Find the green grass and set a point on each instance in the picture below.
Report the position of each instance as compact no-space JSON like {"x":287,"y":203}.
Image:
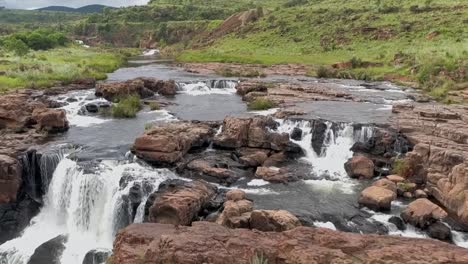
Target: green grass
{"x":261,"y":104}
{"x":42,"y":69}
{"x":433,"y":40}
{"x":126,"y":107}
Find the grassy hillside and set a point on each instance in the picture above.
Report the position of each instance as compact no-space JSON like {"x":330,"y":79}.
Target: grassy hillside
{"x":421,"y":41}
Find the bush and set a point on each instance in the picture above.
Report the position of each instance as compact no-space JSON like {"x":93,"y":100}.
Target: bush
{"x":400,"y":167}
{"x":324,"y":72}
{"x":126,"y":107}
{"x":261,"y":104}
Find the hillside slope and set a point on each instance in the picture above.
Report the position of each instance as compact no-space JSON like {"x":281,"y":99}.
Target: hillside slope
{"x":84,"y":9}
{"x":423,"y":42}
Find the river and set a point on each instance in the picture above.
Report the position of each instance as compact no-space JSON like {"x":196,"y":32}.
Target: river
{"x":88,"y":196}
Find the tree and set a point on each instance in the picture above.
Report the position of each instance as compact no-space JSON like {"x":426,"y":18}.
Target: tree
{"x":16,"y":46}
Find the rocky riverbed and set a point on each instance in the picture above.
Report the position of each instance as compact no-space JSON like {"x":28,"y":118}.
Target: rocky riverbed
{"x":353,"y":156}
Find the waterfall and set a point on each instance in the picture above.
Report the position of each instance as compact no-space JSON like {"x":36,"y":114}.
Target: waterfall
{"x":207,"y":87}
{"x":335,"y":149}
{"x":86,"y":205}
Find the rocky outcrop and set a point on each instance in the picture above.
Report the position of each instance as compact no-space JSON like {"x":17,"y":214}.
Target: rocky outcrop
{"x":178,"y":202}
{"x":360,"y":167}
{"x":377,"y":198}
{"x":440,"y":156}
{"x":386,"y":184}
{"x":236,"y":21}
{"x":143,"y":87}
{"x":253,"y":133}
{"x":273,"y":220}
{"x":168,"y":143}
{"x":276,"y":175}
{"x":211,"y":243}
{"x":238,"y":213}
{"x":53,"y":120}
{"x":422,"y":213}
{"x":10,"y":179}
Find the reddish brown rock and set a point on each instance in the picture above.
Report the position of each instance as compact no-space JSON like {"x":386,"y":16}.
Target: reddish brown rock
{"x":377,"y":198}
{"x":236,"y":214}
{"x":50,"y":119}
{"x":255,"y":159}
{"x":386,"y":184}
{"x":204,"y":168}
{"x":10,"y":179}
{"x":422,"y":213}
{"x":439,"y":160}
{"x":395,"y":178}
{"x":251,"y":132}
{"x":273,"y":174}
{"x":167,"y":143}
{"x":247,"y":87}
{"x":179,"y":203}
{"x":210,"y":243}
{"x":235,"y":195}
{"x":360,"y":167}
{"x":273,"y":220}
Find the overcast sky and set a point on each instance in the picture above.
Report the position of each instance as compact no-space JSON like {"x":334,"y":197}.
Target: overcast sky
{"x":31,"y":4}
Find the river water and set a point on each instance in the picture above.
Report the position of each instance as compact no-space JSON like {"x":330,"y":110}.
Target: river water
{"x":88,"y":197}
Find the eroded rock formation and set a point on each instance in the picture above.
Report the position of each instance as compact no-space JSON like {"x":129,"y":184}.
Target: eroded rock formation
{"x":205,"y":242}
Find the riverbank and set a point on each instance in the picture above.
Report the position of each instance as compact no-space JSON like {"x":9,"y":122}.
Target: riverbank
{"x":58,"y":67}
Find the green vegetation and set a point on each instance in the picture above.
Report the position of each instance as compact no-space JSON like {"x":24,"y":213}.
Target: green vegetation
{"x":400,"y":167}
{"x":21,"y":42}
{"x":415,"y":42}
{"x":154,"y":106}
{"x":261,"y":104}
{"x":259,"y":259}
{"x":126,"y":107}
{"x":42,"y":69}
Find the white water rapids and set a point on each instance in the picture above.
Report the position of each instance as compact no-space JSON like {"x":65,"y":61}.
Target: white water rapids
{"x":208,"y":87}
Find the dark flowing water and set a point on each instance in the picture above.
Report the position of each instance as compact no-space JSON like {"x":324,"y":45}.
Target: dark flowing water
{"x":86,"y":201}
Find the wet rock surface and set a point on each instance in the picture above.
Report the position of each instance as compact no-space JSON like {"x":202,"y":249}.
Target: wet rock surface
{"x":423,"y":213}
{"x":50,"y":251}
{"x":157,"y":243}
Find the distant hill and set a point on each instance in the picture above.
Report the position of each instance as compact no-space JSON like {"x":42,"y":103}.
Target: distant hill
{"x":85,"y":9}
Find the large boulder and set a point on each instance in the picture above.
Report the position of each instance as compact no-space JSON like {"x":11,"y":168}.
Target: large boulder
{"x":377,"y":198}
{"x":168,"y":143}
{"x":386,"y":184}
{"x":360,"y":167}
{"x":252,"y":132}
{"x":179,"y":203}
{"x":273,"y":220}
{"x":440,"y":231}
{"x":52,"y":120}
{"x":273,"y":174}
{"x":422,"y":213}
{"x":49,"y":252}
{"x":10,"y":179}
{"x":115,"y":90}
{"x":211,"y":243}
{"x":167,"y":88}
{"x":96,"y":256}
{"x":236,"y":214}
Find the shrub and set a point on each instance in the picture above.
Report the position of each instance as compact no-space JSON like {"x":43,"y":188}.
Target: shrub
{"x":324,"y":72}
{"x":126,"y":107}
{"x":400,"y":167}
{"x":259,"y":259}
{"x":154,"y":106}
{"x":261,"y":104}
{"x":356,"y":62}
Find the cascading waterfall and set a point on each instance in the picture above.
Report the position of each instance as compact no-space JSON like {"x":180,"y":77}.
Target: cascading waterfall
{"x":74,"y":108}
{"x":85,"y":206}
{"x":207,"y":87}
{"x":335,"y":150}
